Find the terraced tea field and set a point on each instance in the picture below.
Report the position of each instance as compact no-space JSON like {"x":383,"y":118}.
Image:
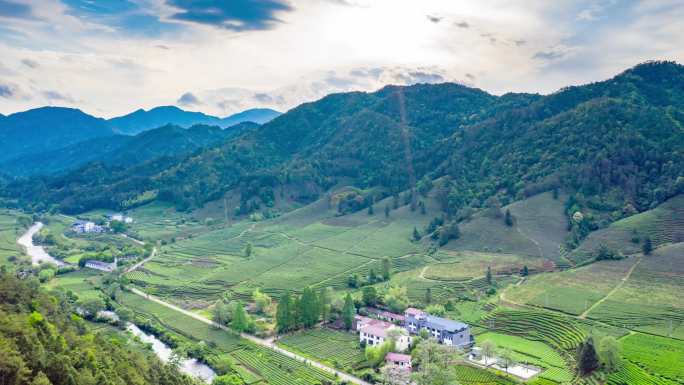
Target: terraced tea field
{"x":664,"y":356}
{"x":469,"y":375}
{"x":9,"y":232}
{"x":338,"y":349}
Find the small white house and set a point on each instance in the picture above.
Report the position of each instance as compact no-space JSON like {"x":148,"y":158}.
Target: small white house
{"x":121,"y":218}
{"x":399,"y":360}
{"x":81,"y":227}
{"x":377,"y":334}
{"x":102,"y":266}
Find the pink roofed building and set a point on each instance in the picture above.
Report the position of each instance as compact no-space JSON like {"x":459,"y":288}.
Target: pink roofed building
{"x":400,"y":360}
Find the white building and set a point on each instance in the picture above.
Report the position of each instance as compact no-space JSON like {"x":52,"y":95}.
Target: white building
{"x":402,"y":361}
{"x":377,"y":333}
{"x":102,"y":266}
{"x":121,"y":218}
{"x":81,"y":227}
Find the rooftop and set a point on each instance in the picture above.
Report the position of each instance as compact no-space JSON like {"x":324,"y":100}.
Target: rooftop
{"x":397,"y":357}
{"x":446,"y":324}
{"x":375,"y":330}
{"x":413,"y":311}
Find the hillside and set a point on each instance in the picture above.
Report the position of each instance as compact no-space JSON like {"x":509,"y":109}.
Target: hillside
{"x":43,"y":342}
{"x":610,"y":144}
{"x":47,"y":128}
{"x":143,"y":120}
{"x":123,"y":150}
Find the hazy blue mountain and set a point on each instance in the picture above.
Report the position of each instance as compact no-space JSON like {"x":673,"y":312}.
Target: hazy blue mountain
{"x":256,"y":115}
{"x":142,"y":120}
{"x":122,"y":150}
{"x":47,"y":128}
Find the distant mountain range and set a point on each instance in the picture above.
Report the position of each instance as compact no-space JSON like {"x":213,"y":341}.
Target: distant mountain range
{"x":142,"y":120}
{"x":52,"y":139}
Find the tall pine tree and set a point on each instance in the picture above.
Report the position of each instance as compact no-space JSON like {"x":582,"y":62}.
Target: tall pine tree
{"x":284,"y":319}
{"x":348,"y":312}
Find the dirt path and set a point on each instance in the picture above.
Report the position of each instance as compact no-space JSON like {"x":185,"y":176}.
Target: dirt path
{"x":268,"y":343}
{"x":137,"y":265}
{"x":616,"y":288}
{"x":541,"y":252}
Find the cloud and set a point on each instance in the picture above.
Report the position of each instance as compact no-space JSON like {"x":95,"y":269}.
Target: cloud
{"x":7,"y":91}
{"x":30,"y":63}
{"x":434,"y":19}
{"x":462,"y":24}
{"x":57,"y":96}
{"x":413,"y":77}
{"x":519,"y":42}
{"x":553,"y":53}
{"x":235,"y":15}
{"x":188,"y":99}
{"x":9,"y":8}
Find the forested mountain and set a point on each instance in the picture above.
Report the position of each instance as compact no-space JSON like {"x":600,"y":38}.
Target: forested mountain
{"x":142,"y":120}
{"x":47,"y":128}
{"x":615,"y":143}
{"x":123,"y":150}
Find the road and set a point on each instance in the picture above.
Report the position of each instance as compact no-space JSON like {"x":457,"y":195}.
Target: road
{"x":259,"y":341}
{"x":137,"y":265}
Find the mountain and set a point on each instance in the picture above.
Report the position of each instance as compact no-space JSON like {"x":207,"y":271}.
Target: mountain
{"x":142,"y":120}
{"x":256,"y":115}
{"x":123,"y":150}
{"x":48,"y":128}
{"x":612,"y":144}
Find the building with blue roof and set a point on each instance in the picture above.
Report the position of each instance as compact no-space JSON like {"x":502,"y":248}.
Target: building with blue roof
{"x":446,"y":331}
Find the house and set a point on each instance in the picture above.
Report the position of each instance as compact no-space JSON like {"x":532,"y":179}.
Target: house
{"x":361,"y":321}
{"x":446,"y":331}
{"x":387,"y":316}
{"x":102,"y":266}
{"x":81,"y":227}
{"x":377,"y":334}
{"x":121,"y":218}
{"x":399,"y":360}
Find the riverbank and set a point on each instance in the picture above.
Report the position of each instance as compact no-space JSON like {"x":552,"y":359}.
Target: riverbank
{"x":37,"y":253}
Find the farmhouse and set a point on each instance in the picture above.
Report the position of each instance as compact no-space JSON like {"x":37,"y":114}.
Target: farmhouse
{"x":102,"y":266}
{"x":81,"y":227}
{"x":377,"y":334}
{"x":386,"y":315}
{"x":120,"y":218}
{"x":446,"y":331}
{"x":361,"y":321}
{"x":402,"y":361}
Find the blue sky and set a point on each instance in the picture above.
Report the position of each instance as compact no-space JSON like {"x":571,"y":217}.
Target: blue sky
{"x":110,"y":57}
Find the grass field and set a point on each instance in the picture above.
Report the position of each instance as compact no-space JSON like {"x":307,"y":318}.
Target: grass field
{"x":664,"y":356}
{"x":9,"y":232}
{"x":539,"y":229}
{"x":84,"y":283}
{"x":338,"y":349}
{"x":663,"y":224}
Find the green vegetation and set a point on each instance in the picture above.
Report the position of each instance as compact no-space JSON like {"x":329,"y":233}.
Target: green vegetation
{"x":337,"y":349}
{"x":663,"y":356}
{"x":43,"y":342}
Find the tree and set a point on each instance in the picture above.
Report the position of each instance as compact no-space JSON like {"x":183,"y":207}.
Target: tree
{"x":396,"y":298}
{"x":284,"y":319}
{"x":508,"y":218}
{"x":394,"y":375}
{"x":353,"y":280}
{"x":118,"y":226}
{"x":370,"y":209}
{"x":221,"y":313}
{"x":488,"y":350}
{"x":125,"y":315}
{"x":324,"y":303}
{"x":587,"y":359}
{"x":609,"y":351}
{"x":416,"y":235}
{"x":525,"y":271}
{"x":387,"y":211}
{"x":248,"y":250}
{"x":92,"y":306}
{"x":434,"y":364}
{"x":370,"y":296}
{"x":372,"y":277}
{"x":506,"y":358}
{"x":309,"y":307}
{"x":348,"y":312}
{"x":489,"y":275}
{"x":226,"y":379}
{"x":375,"y":355}
{"x":386,"y":268}
{"x":423,"y":211}
{"x":647,"y":247}
{"x":41,"y":379}
{"x":263,"y":301}
{"x":428,"y":296}
{"x":240,"y":321}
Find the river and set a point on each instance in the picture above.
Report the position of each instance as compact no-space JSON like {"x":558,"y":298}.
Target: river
{"x":37,"y":253}
{"x":189,"y":366}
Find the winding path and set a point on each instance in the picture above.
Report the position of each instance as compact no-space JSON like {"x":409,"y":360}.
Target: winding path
{"x":616,"y":288}
{"x":268,"y":343}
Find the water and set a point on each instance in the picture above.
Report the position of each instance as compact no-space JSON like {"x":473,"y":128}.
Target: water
{"x":190,"y":366}
{"x":37,"y":253}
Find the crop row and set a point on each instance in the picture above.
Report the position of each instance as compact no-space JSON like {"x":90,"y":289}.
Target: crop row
{"x":278,"y":369}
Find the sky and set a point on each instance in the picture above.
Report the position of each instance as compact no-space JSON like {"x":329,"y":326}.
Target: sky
{"x":111,"y":57}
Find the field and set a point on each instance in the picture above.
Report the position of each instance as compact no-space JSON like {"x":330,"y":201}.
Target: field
{"x":84,"y":283}
{"x":468,"y":375}
{"x":572,"y":291}
{"x":539,"y":229}
{"x":335,"y":348}
{"x":9,"y":232}
{"x":663,"y":224}
{"x":664,"y":356}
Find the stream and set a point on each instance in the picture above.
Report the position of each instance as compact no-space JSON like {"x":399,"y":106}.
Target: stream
{"x":189,"y":366}
{"x":37,"y":253}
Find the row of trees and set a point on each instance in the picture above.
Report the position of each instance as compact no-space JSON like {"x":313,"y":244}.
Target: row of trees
{"x":355,"y":281}
{"x":308,"y":309}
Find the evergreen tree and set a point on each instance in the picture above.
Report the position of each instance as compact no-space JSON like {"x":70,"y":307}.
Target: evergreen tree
{"x":370,"y":209}
{"x":428,"y":296}
{"x":525,"y":271}
{"x":353,"y":281}
{"x":309,"y":308}
{"x":348,"y":312}
{"x":248,"y":250}
{"x":609,"y":350}
{"x":647,"y":246}
{"x":240,"y":320}
{"x":372,"y":277}
{"x":324,"y":304}
{"x":587,"y":359}
{"x":489,"y":275}
{"x":284,"y":320}
{"x":508,"y":218}
{"x":370,"y":296}
{"x":386,"y":268}
{"x":387,"y":211}
{"x":423,"y":211}
{"x":416,"y":234}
